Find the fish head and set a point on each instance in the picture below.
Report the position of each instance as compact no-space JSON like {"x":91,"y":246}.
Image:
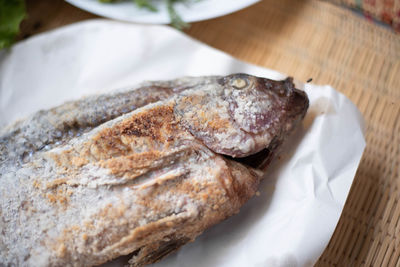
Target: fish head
{"x":258,"y":104}
{"x":243,"y":115}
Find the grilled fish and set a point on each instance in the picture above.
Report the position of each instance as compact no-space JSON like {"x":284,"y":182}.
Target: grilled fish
{"x":139,"y":172}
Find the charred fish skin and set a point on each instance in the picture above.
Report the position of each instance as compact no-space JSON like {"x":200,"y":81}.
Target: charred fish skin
{"x":148,"y":181}
{"x":49,"y":128}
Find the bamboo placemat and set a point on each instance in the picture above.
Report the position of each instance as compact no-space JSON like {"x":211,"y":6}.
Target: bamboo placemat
{"x":313,"y":39}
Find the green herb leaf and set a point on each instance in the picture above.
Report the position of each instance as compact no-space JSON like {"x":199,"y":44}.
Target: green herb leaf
{"x":12,"y":12}
{"x":145,"y":4}
{"x":176,"y":20}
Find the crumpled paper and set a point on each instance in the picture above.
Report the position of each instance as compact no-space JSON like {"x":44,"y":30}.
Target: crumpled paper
{"x":305,"y":188}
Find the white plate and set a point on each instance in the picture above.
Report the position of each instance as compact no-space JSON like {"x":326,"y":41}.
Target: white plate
{"x":189,"y":12}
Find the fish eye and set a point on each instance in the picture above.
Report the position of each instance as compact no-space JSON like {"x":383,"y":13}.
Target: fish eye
{"x":239,"y":83}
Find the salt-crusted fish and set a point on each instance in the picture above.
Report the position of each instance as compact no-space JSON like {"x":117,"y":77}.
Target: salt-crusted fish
{"x":138,"y":172}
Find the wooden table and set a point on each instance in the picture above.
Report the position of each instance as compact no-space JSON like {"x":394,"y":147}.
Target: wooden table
{"x":307,"y":38}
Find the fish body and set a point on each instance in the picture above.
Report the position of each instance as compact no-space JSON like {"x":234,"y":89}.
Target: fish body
{"x":138,"y":175}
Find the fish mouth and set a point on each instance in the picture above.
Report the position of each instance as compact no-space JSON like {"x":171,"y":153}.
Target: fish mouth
{"x":299,"y":103}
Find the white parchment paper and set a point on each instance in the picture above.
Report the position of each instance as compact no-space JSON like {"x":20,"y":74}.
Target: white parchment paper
{"x":303,"y":193}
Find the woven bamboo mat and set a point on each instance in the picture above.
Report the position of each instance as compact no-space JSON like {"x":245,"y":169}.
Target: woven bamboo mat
{"x":313,"y":39}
